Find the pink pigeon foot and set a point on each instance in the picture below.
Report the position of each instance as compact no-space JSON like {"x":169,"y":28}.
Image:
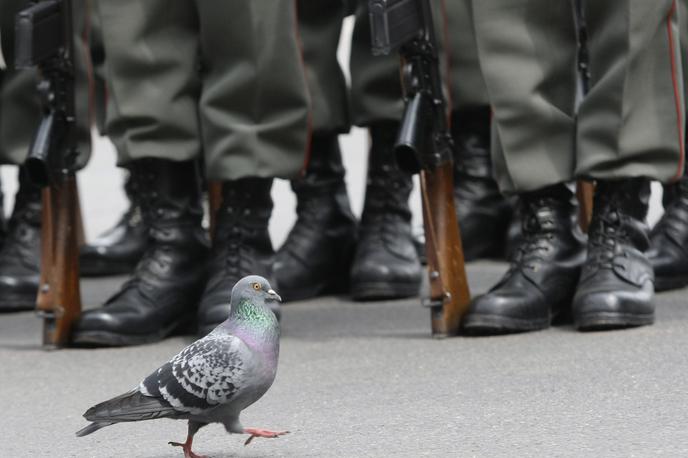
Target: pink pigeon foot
{"x":256,"y":432}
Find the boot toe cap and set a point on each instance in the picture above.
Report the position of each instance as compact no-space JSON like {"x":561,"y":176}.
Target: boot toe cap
{"x":19,"y":283}
{"x":373,"y":280}
{"x":99,"y":320}
{"x":614,"y":309}
{"x":375,"y":270}
{"x":18,"y":292}
{"x":506,"y":312}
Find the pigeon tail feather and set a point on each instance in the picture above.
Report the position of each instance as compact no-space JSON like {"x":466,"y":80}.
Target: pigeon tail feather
{"x":130,"y":406}
{"x":92,"y":428}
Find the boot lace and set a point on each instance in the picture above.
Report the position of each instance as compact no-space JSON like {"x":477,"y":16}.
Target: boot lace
{"x":384,"y":207}
{"x":537,"y":236}
{"x":233,"y":238}
{"x":606,"y":232}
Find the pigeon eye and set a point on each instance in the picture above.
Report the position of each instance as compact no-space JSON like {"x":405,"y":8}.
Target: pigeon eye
{"x":256,"y":286}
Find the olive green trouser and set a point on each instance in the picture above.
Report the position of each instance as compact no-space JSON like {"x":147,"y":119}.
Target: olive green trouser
{"x":320,"y":25}
{"x":222,"y":78}
{"x":375,"y":83}
{"x":20,"y":111}
{"x":629,"y":124}
{"x":97,"y":52}
{"x":375,"y":87}
{"x":19,"y":105}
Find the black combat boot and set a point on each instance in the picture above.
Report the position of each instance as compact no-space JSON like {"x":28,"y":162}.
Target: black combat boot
{"x":386,"y":264}
{"x":483,"y":212}
{"x":316,"y":257}
{"x":119,"y":249}
{"x":616,"y":287}
{"x":241,"y":246}
{"x":20,"y":256}
{"x":163,"y":292}
{"x":542,"y":278}
{"x":669,"y":239}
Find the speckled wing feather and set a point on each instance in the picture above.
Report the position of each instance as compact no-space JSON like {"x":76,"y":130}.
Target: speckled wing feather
{"x":204,"y":375}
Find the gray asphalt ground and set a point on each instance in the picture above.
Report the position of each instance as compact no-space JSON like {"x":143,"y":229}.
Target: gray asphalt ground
{"x":365,"y":379}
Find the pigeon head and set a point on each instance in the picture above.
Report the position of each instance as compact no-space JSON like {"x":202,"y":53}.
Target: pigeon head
{"x":251,"y":297}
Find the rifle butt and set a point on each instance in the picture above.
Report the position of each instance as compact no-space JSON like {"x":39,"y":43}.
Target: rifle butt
{"x":61,"y":300}
{"x":44,"y":299}
{"x":449,"y":292}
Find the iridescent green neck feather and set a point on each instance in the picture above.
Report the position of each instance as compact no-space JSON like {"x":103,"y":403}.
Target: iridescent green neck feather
{"x":255,"y":317}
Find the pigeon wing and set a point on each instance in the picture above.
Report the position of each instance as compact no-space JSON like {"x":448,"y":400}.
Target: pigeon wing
{"x":205,"y":374}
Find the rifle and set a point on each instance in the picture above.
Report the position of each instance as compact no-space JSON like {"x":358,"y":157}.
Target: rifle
{"x":425,"y":145}
{"x":585,"y":190}
{"x":44,"y":40}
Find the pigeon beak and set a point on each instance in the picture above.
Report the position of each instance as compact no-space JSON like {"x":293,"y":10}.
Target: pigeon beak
{"x":274,"y":295}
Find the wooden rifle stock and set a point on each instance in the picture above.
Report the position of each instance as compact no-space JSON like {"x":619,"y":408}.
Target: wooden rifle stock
{"x":449,"y":293}
{"x":585,"y":192}
{"x":59,"y":294}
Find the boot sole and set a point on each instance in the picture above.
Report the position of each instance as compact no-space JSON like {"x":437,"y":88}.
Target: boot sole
{"x":17,"y":302}
{"x":670,"y":283}
{"x":384,"y":291}
{"x":603,"y":321}
{"x":498,"y":324}
{"x":113,"y":339}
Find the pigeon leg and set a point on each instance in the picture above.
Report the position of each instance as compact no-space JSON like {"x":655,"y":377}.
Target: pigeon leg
{"x":256,"y":432}
{"x":186,"y":446}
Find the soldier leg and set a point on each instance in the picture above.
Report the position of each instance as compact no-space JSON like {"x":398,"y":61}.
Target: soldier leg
{"x":386,"y":263}
{"x":482,"y":210}
{"x":19,"y":117}
{"x":20,"y":252}
{"x":316,"y":256}
{"x":117,"y":250}
{"x":153,"y":122}
{"x":630,"y":131}
{"x":530,"y":75}
{"x":255,"y":119}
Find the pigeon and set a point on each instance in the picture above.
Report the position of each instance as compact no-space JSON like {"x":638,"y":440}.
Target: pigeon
{"x":213,"y":379}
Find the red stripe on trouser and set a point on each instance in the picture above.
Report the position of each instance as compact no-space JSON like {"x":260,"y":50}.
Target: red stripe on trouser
{"x":677,"y":95}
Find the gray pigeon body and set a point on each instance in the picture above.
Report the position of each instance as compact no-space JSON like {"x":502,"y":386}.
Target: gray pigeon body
{"x":213,"y":379}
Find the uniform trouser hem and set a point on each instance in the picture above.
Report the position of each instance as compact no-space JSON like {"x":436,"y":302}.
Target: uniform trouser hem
{"x":630,"y":124}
